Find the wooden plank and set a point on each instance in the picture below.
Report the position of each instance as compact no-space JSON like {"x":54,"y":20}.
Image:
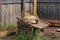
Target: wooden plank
{"x":54,"y":22}
{"x":40,"y":24}
{"x":11,"y":11}
{"x":4,"y":33}
{"x":35,"y":7}
{"x":46,"y":1}
{"x":49,"y":11}
{"x":44,"y":21}
{"x":16,"y":12}
{"x":7,"y":15}
{"x":11,"y":1}
{"x":3,"y":14}
{"x":0,"y":13}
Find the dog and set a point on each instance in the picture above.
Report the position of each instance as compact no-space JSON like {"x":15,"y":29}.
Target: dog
{"x":29,"y":17}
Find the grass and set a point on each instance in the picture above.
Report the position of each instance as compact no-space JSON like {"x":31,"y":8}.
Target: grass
{"x":23,"y":35}
{"x":38,"y":36}
{"x":6,"y":27}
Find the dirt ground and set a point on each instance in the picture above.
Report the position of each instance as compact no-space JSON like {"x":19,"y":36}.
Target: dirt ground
{"x":48,"y":32}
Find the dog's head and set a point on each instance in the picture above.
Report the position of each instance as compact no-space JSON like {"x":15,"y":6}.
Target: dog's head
{"x":25,"y":12}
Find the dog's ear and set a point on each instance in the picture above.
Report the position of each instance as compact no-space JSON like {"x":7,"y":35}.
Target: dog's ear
{"x":23,"y":11}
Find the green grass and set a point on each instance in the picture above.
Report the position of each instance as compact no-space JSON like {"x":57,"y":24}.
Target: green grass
{"x":23,"y":35}
{"x":9,"y":26}
{"x":38,"y":36}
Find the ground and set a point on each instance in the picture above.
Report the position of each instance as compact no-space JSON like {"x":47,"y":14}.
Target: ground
{"x":48,"y":32}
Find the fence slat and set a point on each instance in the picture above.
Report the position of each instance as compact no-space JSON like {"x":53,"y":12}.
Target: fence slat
{"x":10,"y":12}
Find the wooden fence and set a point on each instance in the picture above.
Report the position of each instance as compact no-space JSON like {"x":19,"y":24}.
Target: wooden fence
{"x":9,"y":13}
{"x":10,"y":9}
{"x":47,"y":9}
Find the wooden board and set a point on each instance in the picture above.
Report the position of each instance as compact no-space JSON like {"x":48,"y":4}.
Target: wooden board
{"x":54,"y":22}
{"x":40,"y":24}
{"x":9,"y":13}
{"x":0,"y":13}
{"x":4,"y":33}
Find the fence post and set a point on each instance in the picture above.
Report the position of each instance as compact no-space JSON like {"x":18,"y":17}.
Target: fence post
{"x":0,"y":13}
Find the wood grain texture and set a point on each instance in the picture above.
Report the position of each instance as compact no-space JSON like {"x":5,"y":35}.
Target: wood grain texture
{"x":40,"y":24}
{"x":0,"y":13}
{"x":35,"y":7}
{"x":49,"y":10}
{"x":11,"y":1}
{"x":10,"y":12}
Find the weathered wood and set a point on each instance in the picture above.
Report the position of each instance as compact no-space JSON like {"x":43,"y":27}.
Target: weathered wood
{"x":49,"y":9}
{"x":0,"y":12}
{"x":40,"y":24}
{"x":35,"y":7}
{"x":54,"y":22}
{"x":4,"y":33}
{"x":10,"y":12}
{"x":11,"y":1}
{"x":37,"y":29}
